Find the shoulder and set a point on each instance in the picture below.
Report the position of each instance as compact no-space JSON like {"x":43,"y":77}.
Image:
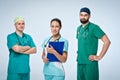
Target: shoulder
{"x":93,"y":25}
{"x":63,"y":39}
{"x":78,"y":27}
{"x":27,"y":35}
{"x":46,"y":39}
{"x":11,"y":35}
{"x":66,"y":43}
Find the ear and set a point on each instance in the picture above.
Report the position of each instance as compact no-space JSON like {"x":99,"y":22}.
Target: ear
{"x":89,"y":16}
{"x":60,"y":27}
{"x":14,"y":24}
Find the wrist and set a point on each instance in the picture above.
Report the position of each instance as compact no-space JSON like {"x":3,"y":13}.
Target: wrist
{"x":99,"y":57}
{"x":54,"y":52}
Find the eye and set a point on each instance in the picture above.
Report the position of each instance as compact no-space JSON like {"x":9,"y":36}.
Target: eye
{"x":52,"y":26}
{"x":18,"y":23}
{"x":23,"y":23}
{"x":85,"y":15}
{"x":81,"y":14}
{"x":57,"y":26}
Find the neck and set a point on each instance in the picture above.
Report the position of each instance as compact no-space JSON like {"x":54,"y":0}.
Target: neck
{"x":20,"y":33}
{"x":83,"y":25}
{"x":55,"y":37}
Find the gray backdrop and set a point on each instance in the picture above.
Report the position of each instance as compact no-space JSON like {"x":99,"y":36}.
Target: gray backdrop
{"x":38,"y":13}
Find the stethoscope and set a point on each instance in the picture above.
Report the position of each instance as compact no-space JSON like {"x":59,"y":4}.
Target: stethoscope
{"x":19,"y":42}
{"x":85,"y":33}
{"x":50,"y":39}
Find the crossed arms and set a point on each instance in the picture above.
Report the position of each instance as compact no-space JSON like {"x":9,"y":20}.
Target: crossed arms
{"x":24,"y":49}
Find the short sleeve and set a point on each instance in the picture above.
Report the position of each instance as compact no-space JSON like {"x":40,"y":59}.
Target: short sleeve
{"x":66,"y":46}
{"x":45,"y":42}
{"x":98,"y":32}
{"x":11,"y":41}
{"x":77,"y":32}
{"x":32,"y":44}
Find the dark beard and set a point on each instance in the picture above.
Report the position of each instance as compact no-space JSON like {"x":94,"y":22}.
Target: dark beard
{"x":84,"y":21}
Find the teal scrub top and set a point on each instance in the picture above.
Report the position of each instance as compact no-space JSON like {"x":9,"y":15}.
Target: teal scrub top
{"x":18,"y":62}
{"x":46,"y":41}
{"x":55,"y":68}
{"x":87,"y":37}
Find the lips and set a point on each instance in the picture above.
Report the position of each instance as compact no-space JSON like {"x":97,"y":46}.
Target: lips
{"x":83,"y":19}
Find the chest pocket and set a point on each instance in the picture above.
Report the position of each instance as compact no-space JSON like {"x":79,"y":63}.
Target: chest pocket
{"x":25,"y":41}
{"x":82,"y":33}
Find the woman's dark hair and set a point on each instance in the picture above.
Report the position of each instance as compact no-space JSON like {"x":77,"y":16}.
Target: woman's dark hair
{"x":58,"y":20}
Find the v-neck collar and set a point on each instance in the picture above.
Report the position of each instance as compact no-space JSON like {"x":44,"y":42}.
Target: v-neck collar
{"x":86,"y":26}
{"x":20,"y":36}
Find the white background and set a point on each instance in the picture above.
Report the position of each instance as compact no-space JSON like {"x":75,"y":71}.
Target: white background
{"x":38,"y":13}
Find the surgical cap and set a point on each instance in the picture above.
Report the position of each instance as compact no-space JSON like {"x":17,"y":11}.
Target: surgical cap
{"x":18,"y":19}
{"x":85,"y":9}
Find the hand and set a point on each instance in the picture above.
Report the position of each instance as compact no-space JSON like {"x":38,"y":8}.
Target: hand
{"x":50,"y":50}
{"x":45,"y":60}
{"x":94,"y":58}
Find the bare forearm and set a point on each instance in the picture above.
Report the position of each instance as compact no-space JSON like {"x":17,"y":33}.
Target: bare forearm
{"x":43,"y":54}
{"x":62,"y":57}
{"x":30,"y":51}
{"x":104,"y":49}
{"x":20,"y":49}
{"x":44,"y":58}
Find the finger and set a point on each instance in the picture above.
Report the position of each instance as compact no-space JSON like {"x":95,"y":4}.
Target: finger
{"x":91,"y":57}
{"x":52,"y":46}
{"x":46,"y":61}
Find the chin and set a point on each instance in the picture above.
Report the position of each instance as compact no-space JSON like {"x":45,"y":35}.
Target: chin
{"x":21,"y":30}
{"x":55,"y":34}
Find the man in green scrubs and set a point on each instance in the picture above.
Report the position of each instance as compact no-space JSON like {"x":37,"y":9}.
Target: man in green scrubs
{"x":20,"y":45}
{"x":88,"y":35}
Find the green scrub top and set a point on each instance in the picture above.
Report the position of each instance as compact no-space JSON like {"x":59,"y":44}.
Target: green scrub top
{"x":87,"y":37}
{"x":18,"y":62}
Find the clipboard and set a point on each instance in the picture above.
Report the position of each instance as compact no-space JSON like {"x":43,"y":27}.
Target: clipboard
{"x":58,"y":46}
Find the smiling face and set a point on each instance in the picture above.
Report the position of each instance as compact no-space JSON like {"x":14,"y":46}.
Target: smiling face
{"x":55,"y":27}
{"x":20,"y":25}
{"x":84,"y":17}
